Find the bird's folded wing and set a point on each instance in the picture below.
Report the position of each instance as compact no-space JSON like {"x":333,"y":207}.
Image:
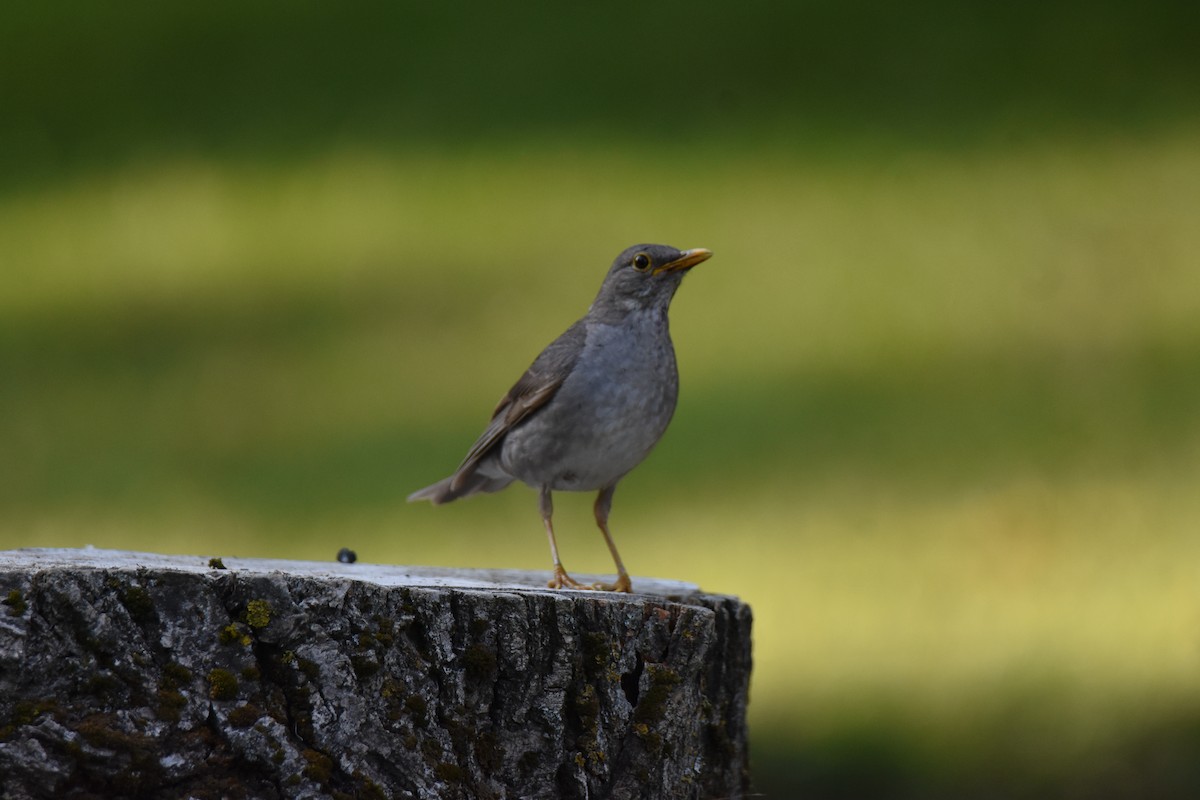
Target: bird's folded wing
{"x":532,"y":391}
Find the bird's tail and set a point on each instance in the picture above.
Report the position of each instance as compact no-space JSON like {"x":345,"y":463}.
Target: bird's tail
{"x":444,"y":492}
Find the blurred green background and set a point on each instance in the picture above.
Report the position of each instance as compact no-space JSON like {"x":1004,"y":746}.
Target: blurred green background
{"x":265,"y":268}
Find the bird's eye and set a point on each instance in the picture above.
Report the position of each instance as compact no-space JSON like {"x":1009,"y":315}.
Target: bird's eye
{"x":641,"y":262}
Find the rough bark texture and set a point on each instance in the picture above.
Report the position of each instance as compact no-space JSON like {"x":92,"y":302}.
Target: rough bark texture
{"x":137,"y":675}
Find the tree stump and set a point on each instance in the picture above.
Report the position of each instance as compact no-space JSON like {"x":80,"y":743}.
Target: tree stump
{"x":141,"y":675}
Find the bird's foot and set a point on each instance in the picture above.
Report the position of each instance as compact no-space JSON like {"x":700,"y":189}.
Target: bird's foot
{"x":562,"y":580}
{"x":622,"y":584}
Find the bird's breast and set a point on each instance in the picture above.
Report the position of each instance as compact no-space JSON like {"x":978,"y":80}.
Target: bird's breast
{"x":608,"y":414}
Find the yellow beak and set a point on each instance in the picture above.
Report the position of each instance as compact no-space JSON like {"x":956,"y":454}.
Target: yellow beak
{"x":690,"y":258}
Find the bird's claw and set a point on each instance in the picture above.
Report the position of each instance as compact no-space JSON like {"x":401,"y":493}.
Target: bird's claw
{"x":622,"y":584}
{"x":562,"y":580}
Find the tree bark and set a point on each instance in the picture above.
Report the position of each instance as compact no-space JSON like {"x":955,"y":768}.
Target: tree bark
{"x":140,"y":675}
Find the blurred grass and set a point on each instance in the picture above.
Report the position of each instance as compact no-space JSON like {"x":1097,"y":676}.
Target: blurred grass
{"x":264,"y":270}
{"x":940,"y":422}
{"x":87,"y":86}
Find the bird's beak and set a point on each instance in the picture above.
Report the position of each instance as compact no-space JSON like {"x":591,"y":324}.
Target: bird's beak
{"x":689,"y":259}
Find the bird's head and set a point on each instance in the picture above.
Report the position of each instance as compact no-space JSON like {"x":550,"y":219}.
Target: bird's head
{"x":646,"y":276}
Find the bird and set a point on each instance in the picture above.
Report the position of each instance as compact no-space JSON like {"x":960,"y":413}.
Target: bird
{"x":591,"y":406}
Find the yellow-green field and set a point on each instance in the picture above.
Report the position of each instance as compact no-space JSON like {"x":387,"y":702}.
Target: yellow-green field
{"x":939,"y":423}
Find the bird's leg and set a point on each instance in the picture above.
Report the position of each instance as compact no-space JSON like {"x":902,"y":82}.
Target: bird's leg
{"x":561,"y":579}
{"x":603,"y":504}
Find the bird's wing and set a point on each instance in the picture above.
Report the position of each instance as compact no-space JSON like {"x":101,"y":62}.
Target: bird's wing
{"x":532,"y":391}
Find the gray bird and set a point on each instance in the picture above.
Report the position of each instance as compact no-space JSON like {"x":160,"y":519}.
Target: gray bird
{"x":591,"y":406}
